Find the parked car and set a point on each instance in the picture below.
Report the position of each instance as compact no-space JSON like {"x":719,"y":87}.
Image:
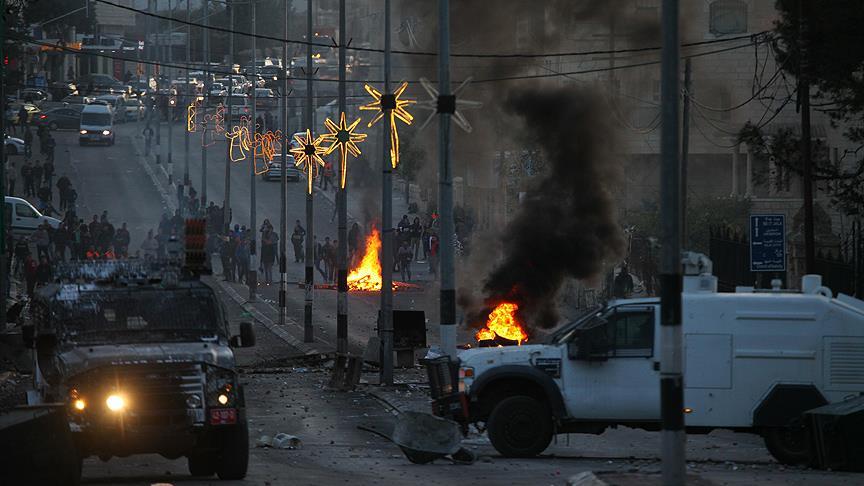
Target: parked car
{"x":13,"y":109}
{"x":102,"y":84}
{"x":265,"y":98}
{"x":59,"y":118}
{"x":218,"y":90}
{"x":134,"y":109}
{"x":34,"y":95}
{"x":23,"y":218}
{"x":78,"y":100}
{"x":274,"y":171}
{"x":117,"y":103}
{"x":13,"y":146}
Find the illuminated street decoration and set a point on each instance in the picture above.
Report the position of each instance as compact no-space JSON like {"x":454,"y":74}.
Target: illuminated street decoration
{"x":307,"y":154}
{"x":214,"y":120}
{"x":192,"y":116}
{"x":342,"y":136}
{"x":239,"y":143}
{"x":264,"y":147}
{"x":432,"y":104}
{"x":394,"y":107}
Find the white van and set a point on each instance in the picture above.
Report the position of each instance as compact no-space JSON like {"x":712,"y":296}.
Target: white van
{"x":23,"y":218}
{"x":97,"y":125}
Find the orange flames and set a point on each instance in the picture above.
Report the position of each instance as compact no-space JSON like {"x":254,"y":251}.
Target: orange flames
{"x":502,"y":322}
{"x":367,"y":275}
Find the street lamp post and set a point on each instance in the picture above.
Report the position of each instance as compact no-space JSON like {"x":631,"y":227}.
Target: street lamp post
{"x":188,"y":60}
{"x":206,"y":58}
{"x":171,"y":108}
{"x":342,"y":208}
{"x":310,"y":255}
{"x":385,"y":326}
{"x":253,"y":256}
{"x":445,"y":186}
{"x":226,"y":204}
{"x":283,"y":194}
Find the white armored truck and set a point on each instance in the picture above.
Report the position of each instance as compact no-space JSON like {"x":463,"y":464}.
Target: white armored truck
{"x":755,"y":360}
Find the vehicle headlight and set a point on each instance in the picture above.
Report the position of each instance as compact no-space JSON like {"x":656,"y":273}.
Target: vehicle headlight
{"x":106,"y":132}
{"x":466,"y":377}
{"x":115,"y":402}
{"x":83,"y":132}
{"x":221,"y":388}
{"x":193,"y":401}
{"x":79,"y":404}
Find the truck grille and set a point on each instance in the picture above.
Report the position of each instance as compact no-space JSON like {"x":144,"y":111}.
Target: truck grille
{"x":151,"y":388}
{"x":846,"y":361}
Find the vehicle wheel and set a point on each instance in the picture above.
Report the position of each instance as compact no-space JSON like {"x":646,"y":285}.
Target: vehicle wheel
{"x":234,"y":456}
{"x":201,"y":464}
{"x":789,"y":445}
{"x":520,"y":426}
{"x":52,"y":126}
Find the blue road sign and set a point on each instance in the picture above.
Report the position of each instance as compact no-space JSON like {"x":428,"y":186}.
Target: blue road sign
{"x":767,"y":243}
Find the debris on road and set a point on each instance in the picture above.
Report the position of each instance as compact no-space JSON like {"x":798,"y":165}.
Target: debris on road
{"x":279,"y":441}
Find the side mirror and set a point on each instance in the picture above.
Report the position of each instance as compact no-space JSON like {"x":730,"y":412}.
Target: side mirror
{"x":246,"y":338}
{"x":28,"y":335}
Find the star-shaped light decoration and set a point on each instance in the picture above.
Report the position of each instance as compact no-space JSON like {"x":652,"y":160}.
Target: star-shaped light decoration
{"x":432,"y":104}
{"x":342,"y":136}
{"x":393,"y":106}
{"x":307,"y":154}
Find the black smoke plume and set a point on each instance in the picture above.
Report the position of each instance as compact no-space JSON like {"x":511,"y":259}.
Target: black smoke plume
{"x":566,"y":226}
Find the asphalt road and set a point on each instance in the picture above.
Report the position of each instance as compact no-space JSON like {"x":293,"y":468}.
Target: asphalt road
{"x":292,"y":398}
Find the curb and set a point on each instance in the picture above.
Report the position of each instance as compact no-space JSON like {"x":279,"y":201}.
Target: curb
{"x":259,"y":316}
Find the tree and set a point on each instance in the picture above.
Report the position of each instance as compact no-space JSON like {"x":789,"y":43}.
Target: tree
{"x":828,"y":47}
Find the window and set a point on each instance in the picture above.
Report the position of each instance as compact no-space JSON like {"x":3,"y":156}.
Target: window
{"x":728,"y":17}
{"x":627,"y":332}
{"x":25,"y":211}
{"x":8,"y":212}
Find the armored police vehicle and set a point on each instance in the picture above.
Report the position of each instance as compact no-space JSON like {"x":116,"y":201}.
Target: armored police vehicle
{"x":754,"y":361}
{"x":143,"y":359}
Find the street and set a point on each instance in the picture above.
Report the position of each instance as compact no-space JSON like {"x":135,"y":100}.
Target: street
{"x":287,"y":392}
{"x":609,"y":243}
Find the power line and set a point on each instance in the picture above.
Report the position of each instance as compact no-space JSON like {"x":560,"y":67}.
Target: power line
{"x":426,"y":53}
{"x":479,"y":81}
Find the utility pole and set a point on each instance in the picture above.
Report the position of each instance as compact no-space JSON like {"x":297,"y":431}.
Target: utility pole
{"x":385,"y":326}
{"x":310,"y":226}
{"x":157,"y":37}
{"x":342,"y":208}
{"x":806,"y":155}
{"x":171,"y":108}
{"x":188,"y":87}
{"x":671,"y":377}
{"x":206,"y":58}
{"x":4,"y":274}
{"x":283,"y":194}
{"x":226,"y":204}
{"x":685,"y":151}
{"x":446,"y":108}
{"x":253,"y":223}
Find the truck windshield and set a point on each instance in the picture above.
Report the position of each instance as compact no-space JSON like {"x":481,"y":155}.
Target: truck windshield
{"x":139,"y":315}
{"x":95,"y":119}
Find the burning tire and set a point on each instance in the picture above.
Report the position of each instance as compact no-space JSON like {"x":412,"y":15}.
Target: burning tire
{"x":520,"y":426}
{"x":234,"y":455}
